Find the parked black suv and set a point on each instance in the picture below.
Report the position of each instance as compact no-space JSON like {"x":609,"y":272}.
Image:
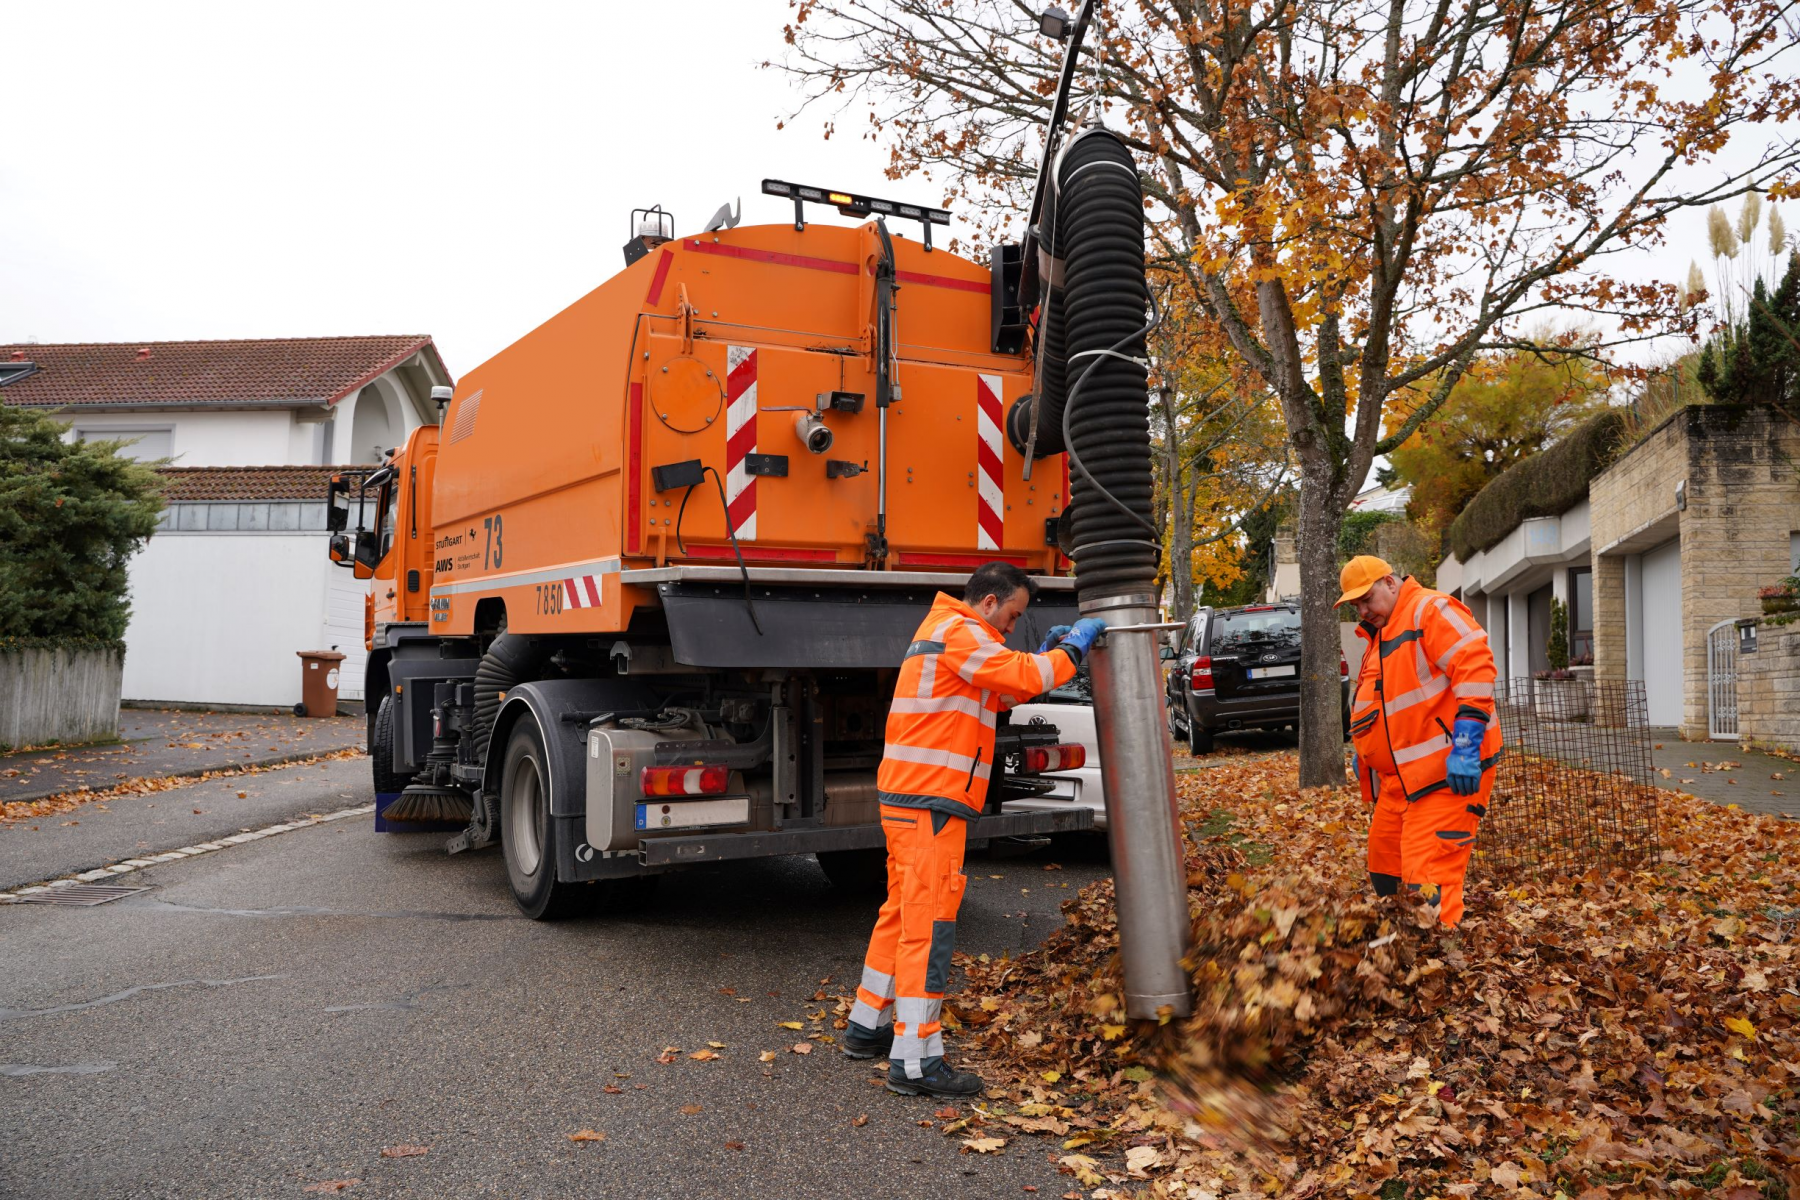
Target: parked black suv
{"x":1239,"y":668}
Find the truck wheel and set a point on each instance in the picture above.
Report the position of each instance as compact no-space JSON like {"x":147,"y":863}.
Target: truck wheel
{"x":856,"y":872}
{"x":381,"y":750}
{"x":1200,"y":741}
{"x":527,"y":832}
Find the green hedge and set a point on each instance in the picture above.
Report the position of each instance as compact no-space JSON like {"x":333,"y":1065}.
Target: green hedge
{"x":11,"y":645}
{"x":1544,"y":485}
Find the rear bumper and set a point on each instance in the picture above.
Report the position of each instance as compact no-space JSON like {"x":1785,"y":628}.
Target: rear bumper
{"x":717,"y":847}
{"x":1071,"y":790}
{"x":1215,"y":713}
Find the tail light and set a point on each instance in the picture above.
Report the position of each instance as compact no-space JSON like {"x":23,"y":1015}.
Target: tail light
{"x":685,"y":781}
{"x":1054,"y":758}
{"x":1201,"y":677}
{"x":1343,"y":666}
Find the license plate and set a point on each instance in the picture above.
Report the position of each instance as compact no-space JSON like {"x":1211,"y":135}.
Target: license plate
{"x":693,"y":814}
{"x":1270,"y":672}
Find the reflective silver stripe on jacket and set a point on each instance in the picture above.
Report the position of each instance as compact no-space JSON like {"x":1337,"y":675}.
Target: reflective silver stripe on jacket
{"x":1473,"y":691}
{"x":929,"y":757}
{"x":1472,"y":636}
{"x":941,"y":704}
{"x":1432,"y":688}
{"x":1432,"y":745}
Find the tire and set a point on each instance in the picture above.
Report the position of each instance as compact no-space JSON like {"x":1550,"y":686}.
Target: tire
{"x":381,"y":750}
{"x":528,"y":833}
{"x":1200,"y":741}
{"x":856,"y":872}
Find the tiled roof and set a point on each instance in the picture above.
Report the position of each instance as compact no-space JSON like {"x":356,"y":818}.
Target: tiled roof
{"x":250,"y":371}
{"x":248,"y":483}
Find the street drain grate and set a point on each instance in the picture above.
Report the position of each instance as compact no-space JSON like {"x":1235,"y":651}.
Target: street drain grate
{"x":84,"y":895}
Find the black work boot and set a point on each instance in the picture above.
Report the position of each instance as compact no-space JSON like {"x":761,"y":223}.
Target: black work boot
{"x":862,"y":1042}
{"x":939,"y":1079}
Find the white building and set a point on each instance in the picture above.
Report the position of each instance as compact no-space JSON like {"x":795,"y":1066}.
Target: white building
{"x":236,"y":579}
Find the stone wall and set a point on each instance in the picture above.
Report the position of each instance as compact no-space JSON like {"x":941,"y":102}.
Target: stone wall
{"x":1769,"y":690}
{"x":1742,"y":502}
{"x":64,"y":696}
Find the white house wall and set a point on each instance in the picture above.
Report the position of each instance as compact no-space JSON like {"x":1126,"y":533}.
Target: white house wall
{"x":207,"y":438}
{"x":216,"y":618}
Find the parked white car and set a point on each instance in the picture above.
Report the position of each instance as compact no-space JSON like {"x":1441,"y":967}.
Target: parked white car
{"x":1075,"y":720}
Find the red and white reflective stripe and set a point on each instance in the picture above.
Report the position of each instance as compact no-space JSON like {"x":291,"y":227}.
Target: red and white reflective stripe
{"x":990,"y":465}
{"x":583,"y":591}
{"x":740,"y":439}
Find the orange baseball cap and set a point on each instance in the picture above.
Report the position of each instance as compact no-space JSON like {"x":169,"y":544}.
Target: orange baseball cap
{"x":1360,"y":574}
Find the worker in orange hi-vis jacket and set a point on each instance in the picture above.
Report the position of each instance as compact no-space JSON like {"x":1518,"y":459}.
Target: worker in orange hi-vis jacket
{"x":934,"y":774}
{"x":1425,"y":736}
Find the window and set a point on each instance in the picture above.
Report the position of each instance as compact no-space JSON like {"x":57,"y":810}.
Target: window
{"x":388,"y":506}
{"x":1581,"y":615}
{"x":1260,"y":627}
{"x":145,"y":445}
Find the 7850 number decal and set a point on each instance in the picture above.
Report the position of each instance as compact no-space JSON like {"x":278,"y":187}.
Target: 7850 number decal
{"x":549,"y":598}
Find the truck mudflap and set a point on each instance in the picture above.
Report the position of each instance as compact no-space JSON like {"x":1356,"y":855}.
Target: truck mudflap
{"x":716,"y":847}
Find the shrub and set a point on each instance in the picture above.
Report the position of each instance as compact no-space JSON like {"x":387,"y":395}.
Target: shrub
{"x":1544,"y":485}
{"x":1556,"y":647}
{"x":71,"y":516}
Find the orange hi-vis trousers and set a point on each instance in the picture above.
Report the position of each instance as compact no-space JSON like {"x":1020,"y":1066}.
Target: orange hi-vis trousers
{"x":1425,"y":843}
{"x":908,"y":964}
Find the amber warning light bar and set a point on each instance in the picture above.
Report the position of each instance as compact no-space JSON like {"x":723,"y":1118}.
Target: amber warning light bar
{"x":852,"y":205}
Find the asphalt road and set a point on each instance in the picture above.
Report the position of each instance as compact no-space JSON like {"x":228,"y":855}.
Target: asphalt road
{"x":275,"y":1014}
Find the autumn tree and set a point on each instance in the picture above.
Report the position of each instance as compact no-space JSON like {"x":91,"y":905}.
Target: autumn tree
{"x":1507,"y":406}
{"x":1364,"y":195}
{"x":1219,"y":454}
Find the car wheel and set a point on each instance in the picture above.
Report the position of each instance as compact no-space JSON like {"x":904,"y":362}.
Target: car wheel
{"x":856,"y":872}
{"x":1200,"y":741}
{"x":527,"y":831}
{"x":381,"y":750}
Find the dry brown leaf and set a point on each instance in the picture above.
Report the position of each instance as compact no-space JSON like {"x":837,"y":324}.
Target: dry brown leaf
{"x":404,"y":1151}
{"x":801,"y":1047}
{"x":587,"y":1135}
{"x":688,"y":1110}
{"x":332,"y":1185}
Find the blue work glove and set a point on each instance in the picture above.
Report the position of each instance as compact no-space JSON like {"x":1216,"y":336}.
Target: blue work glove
{"x":1463,"y":770}
{"x":1082,"y":636}
{"x":1057,"y":633}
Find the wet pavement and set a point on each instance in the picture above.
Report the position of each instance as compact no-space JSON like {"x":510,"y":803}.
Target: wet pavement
{"x":1726,"y":773}
{"x":274,"y":1015}
{"x":154,"y":743}
{"x":101,"y":832}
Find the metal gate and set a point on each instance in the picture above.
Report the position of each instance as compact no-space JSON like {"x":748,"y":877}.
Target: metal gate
{"x":1721,"y":681}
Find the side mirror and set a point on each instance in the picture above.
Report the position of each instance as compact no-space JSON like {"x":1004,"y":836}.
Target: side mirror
{"x":1166,"y":653}
{"x":337,"y":511}
{"x":339,"y":549}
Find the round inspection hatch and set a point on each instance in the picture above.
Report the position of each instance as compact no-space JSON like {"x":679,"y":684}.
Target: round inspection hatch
{"x":686,"y":395}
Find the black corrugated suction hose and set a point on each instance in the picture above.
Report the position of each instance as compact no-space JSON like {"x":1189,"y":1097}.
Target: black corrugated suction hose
{"x":1106,"y":417}
{"x":507,"y":661}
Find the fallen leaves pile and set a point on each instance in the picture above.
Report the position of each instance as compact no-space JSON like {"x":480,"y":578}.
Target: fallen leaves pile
{"x":63,"y":802}
{"x":1615,"y":1035}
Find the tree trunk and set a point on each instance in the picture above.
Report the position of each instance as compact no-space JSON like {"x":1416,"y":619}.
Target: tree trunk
{"x":1321,"y":715}
{"x":1181,"y":524}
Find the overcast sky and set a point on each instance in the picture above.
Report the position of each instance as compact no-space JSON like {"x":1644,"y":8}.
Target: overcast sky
{"x":209,"y":170}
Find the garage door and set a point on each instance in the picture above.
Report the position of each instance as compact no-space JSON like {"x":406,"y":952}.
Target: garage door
{"x":344,"y":599}
{"x":1662,"y":633}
